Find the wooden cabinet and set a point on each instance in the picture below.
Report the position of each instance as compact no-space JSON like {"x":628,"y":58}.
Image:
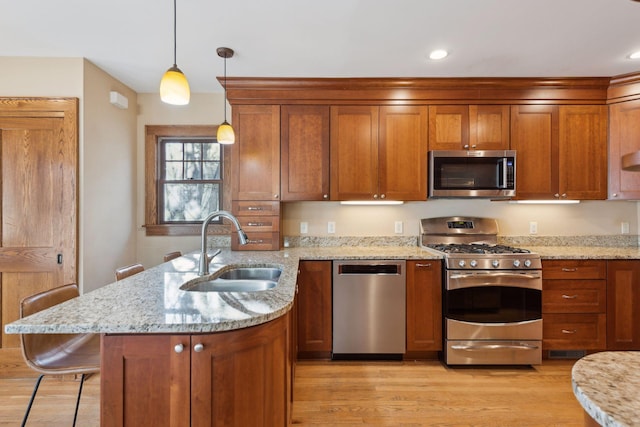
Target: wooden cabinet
{"x":305,"y":152}
{"x":235,"y":378}
{"x":574,"y":301}
{"x":561,"y":151}
{"x":260,"y":220}
{"x":468,"y":127}
{"x":624,"y":139}
{"x":378,"y":153}
{"x":424,"y":306}
{"x":623,"y":305}
{"x":314,"y":310}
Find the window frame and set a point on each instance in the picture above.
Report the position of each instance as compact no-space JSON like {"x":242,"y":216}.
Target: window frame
{"x":153,"y":135}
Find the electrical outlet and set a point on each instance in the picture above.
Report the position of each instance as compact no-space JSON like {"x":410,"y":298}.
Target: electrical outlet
{"x":331,"y":227}
{"x":304,"y":227}
{"x":624,"y":227}
{"x":397,"y":227}
{"x":533,"y":227}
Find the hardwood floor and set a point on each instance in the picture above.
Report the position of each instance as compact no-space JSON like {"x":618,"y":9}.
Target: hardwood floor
{"x":348,"y":394}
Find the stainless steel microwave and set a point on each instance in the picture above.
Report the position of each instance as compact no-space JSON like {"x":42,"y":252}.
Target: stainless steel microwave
{"x":471,"y":173}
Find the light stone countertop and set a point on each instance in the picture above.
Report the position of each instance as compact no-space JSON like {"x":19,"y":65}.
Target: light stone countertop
{"x":152,"y":302}
{"x":607,"y":385}
{"x":585,"y":252}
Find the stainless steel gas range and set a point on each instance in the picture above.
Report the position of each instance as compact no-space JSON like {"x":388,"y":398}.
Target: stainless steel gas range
{"x":492,"y":294}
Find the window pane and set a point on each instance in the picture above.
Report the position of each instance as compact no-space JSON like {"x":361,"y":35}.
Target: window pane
{"x":173,"y":171}
{"x":173,"y":150}
{"x":192,"y":150}
{"x":190,"y":202}
{"x":210,"y":170}
{"x":211,"y":151}
{"x":192,"y":170}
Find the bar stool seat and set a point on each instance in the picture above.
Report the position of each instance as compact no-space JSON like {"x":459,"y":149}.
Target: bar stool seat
{"x":128,"y":270}
{"x":172,"y":255}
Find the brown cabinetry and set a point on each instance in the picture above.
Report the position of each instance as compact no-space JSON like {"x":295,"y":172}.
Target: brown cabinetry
{"x":624,"y":139}
{"x":261,"y":221}
{"x":623,"y":305}
{"x":424,"y":306}
{"x":305,"y":152}
{"x":574,"y":295}
{"x":235,"y":378}
{"x":314,"y":309}
{"x":468,"y":127}
{"x":378,"y":153}
{"x":561,"y":151}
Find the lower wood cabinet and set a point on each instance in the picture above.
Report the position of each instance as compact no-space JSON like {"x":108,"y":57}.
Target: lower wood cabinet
{"x":623,"y":305}
{"x":314,"y":310}
{"x":424,"y":306}
{"x":236,"y":378}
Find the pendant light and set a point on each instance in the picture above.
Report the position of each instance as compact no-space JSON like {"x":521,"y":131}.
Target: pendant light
{"x":225,"y":135}
{"x":174,"y":87}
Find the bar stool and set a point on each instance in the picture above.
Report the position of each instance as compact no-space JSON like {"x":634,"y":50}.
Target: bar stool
{"x":172,"y":255}
{"x":57,"y":354}
{"x":127,"y":271}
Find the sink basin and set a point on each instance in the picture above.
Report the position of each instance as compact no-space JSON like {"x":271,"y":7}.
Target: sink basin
{"x":237,"y":279}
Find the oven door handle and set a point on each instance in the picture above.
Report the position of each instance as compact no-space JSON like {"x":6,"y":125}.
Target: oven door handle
{"x":491,"y":275}
{"x":480,"y":347}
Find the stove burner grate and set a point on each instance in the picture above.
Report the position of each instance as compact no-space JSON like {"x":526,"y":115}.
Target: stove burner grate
{"x":477,"y":248}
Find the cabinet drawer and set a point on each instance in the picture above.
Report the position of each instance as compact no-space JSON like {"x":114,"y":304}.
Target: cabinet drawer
{"x":259,"y":224}
{"x":574,"y":296}
{"x":257,"y":242}
{"x":574,"y":331}
{"x":574,"y":269}
{"x":255,"y":207}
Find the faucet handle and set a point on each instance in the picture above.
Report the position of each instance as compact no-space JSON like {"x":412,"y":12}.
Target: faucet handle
{"x":215,"y":254}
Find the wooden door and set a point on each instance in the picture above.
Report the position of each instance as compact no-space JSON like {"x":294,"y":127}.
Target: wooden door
{"x":256,"y":154}
{"x":38,"y":150}
{"x":354,"y":153}
{"x":583,"y":152}
{"x":448,"y":127}
{"x":314,"y":310}
{"x":145,"y":381}
{"x":534,"y":136}
{"x":623,"y":300}
{"x":424,"y":306}
{"x":305,"y":152}
{"x":489,"y":127}
{"x":624,"y":138}
{"x":403,"y":153}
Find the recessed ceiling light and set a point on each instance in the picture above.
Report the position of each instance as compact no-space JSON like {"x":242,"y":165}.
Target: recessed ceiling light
{"x":635,"y":55}
{"x":438,"y":54}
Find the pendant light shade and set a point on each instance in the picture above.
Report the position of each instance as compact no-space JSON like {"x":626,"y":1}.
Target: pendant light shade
{"x":174,"y":87}
{"x":225,"y":134}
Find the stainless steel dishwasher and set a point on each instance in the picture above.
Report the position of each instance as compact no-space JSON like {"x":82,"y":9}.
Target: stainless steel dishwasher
{"x":369,"y":305}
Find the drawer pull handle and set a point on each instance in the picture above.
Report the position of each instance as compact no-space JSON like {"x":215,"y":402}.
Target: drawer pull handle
{"x":569,"y":296}
{"x":569,"y":270}
{"x":423,"y":265}
{"x":255,"y":224}
{"x":254,"y":208}
{"x":255,"y":241}
{"x":567,"y":331}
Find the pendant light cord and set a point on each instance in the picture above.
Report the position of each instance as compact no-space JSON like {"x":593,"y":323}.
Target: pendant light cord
{"x":225,"y":88}
{"x":175,"y":30}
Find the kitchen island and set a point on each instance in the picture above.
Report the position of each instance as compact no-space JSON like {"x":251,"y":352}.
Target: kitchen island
{"x":607,"y":385}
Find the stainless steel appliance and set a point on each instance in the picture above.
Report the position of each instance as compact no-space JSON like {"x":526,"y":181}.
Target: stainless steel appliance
{"x":472,"y":173}
{"x":369,"y":309}
{"x":492,"y":296}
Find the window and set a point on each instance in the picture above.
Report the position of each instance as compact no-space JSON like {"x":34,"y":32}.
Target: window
{"x":184,"y":179}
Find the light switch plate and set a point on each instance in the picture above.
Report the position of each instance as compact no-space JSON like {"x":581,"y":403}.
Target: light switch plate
{"x":331,"y":227}
{"x":397,"y":227}
{"x":304,"y":227}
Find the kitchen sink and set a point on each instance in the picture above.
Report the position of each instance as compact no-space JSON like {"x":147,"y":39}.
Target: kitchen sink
{"x":236,"y":279}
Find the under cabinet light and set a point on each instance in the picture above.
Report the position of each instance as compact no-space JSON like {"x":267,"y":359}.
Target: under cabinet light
{"x":544,"y":202}
{"x":371,"y":202}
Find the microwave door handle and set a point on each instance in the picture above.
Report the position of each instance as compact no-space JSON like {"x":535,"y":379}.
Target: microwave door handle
{"x":502,"y":180}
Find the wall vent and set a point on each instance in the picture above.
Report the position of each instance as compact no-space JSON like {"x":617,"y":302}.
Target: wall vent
{"x":566,"y":354}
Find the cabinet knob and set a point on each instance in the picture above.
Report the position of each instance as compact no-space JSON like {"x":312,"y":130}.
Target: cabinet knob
{"x":198,"y":347}
{"x":275,"y":196}
{"x":466,"y":146}
{"x":557,"y":196}
{"x":382,"y":196}
{"x":325,"y":196}
{"x":179,"y":348}
{"x":564,"y":195}
{"x":375,"y":196}
{"x":614,"y":195}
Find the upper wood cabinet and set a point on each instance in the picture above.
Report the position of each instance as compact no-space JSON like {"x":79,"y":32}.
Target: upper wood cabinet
{"x":468,"y":127}
{"x":561,"y":151}
{"x":378,"y":153}
{"x":305,"y":152}
{"x":624,"y":138}
{"x":256,"y":153}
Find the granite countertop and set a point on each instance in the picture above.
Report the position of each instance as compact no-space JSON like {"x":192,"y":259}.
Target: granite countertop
{"x":152,"y":302}
{"x":607,"y":385}
{"x":585,"y":252}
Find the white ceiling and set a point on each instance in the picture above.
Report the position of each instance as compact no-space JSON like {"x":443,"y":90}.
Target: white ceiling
{"x":133,"y":39}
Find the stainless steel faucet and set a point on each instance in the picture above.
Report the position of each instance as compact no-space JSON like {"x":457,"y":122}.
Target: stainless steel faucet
{"x":204,"y":258}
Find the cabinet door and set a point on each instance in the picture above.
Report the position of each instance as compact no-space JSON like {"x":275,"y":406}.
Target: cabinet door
{"x":240,"y":378}
{"x":144,"y":381}
{"x":489,"y":127}
{"x":448,"y":127}
{"x":534,"y":136}
{"x":305,"y":152}
{"x":623,"y":303}
{"x":256,"y":153}
{"x":424,"y":305}
{"x":403,"y":153}
{"x":354,"y":152}
{"x":583,"y":152}
{"x":624,"y":138}
{"x":314,"y":309}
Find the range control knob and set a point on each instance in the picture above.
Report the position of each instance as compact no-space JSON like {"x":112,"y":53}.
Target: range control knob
{"x":495,"y":263}
{"x":473,"y":263}
{"x":461,"y":263}
{"x":516,"y":263}
{"x":527,"y":263}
